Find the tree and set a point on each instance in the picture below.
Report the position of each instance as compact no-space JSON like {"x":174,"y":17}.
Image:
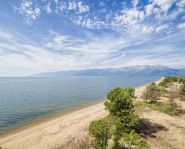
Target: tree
{"x":120,"y":106}
{"x":131,"y":138}
{"x":151,"y":92}
{"x":100,"y":130}
{"x":172,"y":96}
{"x":182,"y":89}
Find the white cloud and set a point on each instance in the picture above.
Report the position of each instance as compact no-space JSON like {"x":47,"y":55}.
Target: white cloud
{"x":60,"y":39}
{"x":62,"y":52}
{"x":89,"y":23}
{"x":181,"y":26}
{"x":129,"y":20}
{"x":164,"y":4}
{"x":181,"y":3}
{"x":48,"y":8}
{"x":161,"y":28}
{"x":78,"y":6}
{"x":135,"y":3}
{"x":147,"y":29}
{"x":26,"y":8}
{"x":149,"y":9}
{"x":83,"y":8}
{"x":72,"y":5}
{"x":133,"y":31}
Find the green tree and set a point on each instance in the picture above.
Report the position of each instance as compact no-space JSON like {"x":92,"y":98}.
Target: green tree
{"x":152,"y":91}
{"x":182,"y":89}
{"x":120,"y":106}
{"x":101,"y":131}
{"x":131,"y":138}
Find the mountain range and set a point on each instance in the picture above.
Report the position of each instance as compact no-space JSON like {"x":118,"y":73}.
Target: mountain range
{"x":138,"y":70}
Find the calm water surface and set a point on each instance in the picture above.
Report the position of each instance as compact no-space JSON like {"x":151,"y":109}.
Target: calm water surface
{"x":25,"y":100}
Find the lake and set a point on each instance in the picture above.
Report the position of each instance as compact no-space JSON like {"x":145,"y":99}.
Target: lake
{"x":25,"y":100}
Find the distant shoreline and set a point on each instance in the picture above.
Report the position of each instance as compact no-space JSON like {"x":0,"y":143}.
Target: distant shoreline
{"x":58,"y":128}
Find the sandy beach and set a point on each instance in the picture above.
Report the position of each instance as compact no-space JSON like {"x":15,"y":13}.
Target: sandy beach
{"x":56,"y":132}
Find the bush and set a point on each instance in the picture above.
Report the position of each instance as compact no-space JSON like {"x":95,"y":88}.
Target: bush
{"x":133,"y":140}
{"x":167,"y":80}
{"x":163,"y":107}
{"x":130,"y":139}
{"x":182,"y":80}
{"x":182,"y":90}
{"x":100,"y":130}
{"x":119,"y":126}
{"x":121,"y":109}
{"x":152,"y":92}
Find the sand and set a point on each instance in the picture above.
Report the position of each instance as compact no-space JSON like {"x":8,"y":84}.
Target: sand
{"x":55,"y":133}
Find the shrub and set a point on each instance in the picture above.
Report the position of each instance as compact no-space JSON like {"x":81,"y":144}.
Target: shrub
{"x":182,"y":90}
{"x":120,"y":106}
{"x":152,"y":91}
{"x":163,"y":107}
{"x":133,"y":140}
{"x":130,"y":139}
{"x":167,"y":80}
{"x":159,"y":106}
{"x":100,"y":130}
{"x":121,"y":109}
{"x":182,"y":80}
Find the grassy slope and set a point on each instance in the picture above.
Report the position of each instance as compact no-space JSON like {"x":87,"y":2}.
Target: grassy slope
{"x":162,"y":128}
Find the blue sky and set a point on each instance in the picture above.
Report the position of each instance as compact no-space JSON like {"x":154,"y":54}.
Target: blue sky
{"x":52,"y":35}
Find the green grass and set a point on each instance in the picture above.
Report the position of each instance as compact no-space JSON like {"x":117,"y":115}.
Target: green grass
{"x":162,"y":107}
{"x":169,"y":79}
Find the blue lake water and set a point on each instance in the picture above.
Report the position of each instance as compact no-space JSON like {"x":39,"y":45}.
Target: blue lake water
{"x":27,"y":100}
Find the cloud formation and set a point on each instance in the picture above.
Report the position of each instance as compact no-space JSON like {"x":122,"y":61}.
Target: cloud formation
{"x":51,"y":35}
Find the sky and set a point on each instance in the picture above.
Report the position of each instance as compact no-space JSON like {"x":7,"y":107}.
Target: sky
{"x":53,"y":35}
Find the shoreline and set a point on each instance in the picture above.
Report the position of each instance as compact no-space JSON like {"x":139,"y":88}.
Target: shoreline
{"x":56,"y":129}
{"x":48,"y":118}
{"x":59,"y":130}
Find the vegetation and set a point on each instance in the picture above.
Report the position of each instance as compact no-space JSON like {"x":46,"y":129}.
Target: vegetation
{"x":159,"y":106}
{"x":100,"y":130}
{"x":182,"y":80}
{"x":182,"y":89}
{"x":121,"y":109}
{"x":167,"y":80}
{"x":172,"y":96}
{"x":133,"y":140}
{"x":119,"y":125}
{"x":2,"y":148}
{"x":119,"y":129}
{"x":152,"y":92}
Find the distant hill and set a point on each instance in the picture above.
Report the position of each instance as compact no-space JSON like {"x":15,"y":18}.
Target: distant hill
{"x":154,"y":70}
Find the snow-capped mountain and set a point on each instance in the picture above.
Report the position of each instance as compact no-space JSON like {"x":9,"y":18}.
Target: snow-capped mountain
{"x":154,"y":70}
